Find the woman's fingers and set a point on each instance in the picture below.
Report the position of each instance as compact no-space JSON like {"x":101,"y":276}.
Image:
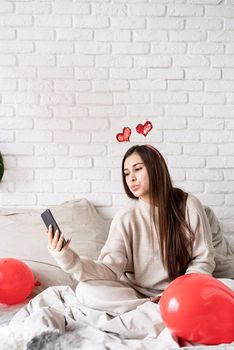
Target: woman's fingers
{"x":50,"y":235}
{"x":155,"y":299}
{"x":60,"y":243}
{"x":56,"y":241}
{"x":53,"y":238}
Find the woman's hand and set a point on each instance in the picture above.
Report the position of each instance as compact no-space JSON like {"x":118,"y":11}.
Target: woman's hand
{"x":56,"y":241}
{"x":155,"y":299}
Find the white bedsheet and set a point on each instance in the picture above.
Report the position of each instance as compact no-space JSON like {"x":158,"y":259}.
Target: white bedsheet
{"x":139,"y":329}
{"x":8,"y":311}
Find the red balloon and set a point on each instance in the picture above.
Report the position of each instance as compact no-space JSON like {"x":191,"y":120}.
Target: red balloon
{"x":16,"y":281}
{"x":200,"y":309}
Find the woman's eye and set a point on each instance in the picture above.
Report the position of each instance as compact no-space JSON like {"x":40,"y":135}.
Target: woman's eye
{"x":138,"y":169}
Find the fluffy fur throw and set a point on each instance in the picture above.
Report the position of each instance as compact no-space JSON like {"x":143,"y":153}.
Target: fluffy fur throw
{"x":55,"y":340}
{"x":70,"y":340}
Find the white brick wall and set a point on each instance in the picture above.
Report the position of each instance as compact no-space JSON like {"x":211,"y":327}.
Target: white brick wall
{"x":74,"y":73}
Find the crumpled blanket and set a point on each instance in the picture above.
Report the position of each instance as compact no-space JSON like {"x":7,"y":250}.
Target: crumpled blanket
{"x":55,"y":319}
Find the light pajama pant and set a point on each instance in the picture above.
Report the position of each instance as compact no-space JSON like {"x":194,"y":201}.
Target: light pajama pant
{"x":114,"y":297}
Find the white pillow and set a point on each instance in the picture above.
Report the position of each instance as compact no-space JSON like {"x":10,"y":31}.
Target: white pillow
{"x":23,"y":236}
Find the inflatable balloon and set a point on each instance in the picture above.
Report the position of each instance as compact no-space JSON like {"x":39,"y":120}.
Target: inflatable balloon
{"x":16,"y":281}
{"x":200,"y":309}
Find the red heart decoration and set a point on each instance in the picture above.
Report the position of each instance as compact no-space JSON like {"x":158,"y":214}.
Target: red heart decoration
{"x":124,"y":136}
{"x":144,"y":129}
{"x":199,"y":308}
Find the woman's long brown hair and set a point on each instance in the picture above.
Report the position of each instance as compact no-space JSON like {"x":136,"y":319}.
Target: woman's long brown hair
{"x":175,"y":236}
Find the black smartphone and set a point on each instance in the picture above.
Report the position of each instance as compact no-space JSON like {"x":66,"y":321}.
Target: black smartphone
{"x":48,"y":219}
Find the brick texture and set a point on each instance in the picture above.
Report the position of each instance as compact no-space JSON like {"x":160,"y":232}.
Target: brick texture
{"x":74,"y":73}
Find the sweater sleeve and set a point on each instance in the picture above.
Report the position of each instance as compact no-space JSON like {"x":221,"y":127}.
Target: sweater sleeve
{"x":109,"y":266}
{"x":203,"y":252}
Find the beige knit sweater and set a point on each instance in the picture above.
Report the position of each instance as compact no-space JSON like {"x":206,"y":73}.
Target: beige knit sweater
{"x":131,"y":252}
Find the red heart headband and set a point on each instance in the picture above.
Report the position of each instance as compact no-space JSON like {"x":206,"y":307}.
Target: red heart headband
{"x":141,"y":129}
{"x":154,"y":149}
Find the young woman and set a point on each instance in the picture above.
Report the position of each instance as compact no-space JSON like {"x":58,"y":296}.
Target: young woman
{"x":161,"y":234}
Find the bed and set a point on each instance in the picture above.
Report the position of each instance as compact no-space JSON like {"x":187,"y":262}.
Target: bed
{"x":23,"y":237}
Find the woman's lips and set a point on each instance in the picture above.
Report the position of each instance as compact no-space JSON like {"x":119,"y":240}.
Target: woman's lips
{"x":134,"y":188}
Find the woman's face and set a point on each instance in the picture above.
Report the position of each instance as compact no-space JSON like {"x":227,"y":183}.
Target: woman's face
{"x":137,"y":177}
